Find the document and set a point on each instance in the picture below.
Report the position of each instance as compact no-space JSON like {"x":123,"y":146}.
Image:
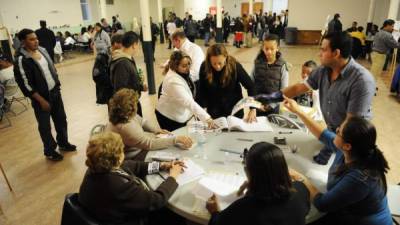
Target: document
{"x":191,"y":173}
{"x":245,"y":103}
{"x":234,"y":123}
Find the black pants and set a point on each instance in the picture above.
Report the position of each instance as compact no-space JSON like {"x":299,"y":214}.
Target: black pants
{"x":57,"y":114}
{"x":168,"y":124}
{"x":226,"y":35}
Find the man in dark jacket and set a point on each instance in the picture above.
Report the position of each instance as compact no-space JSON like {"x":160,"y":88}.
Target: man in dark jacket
{"x":37,"y":78}
{"x":335,"y":26}
{"x":47,"y":39}
{"x":123,"y":70}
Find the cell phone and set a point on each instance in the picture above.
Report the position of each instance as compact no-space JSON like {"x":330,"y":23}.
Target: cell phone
{"x":280,"y":140}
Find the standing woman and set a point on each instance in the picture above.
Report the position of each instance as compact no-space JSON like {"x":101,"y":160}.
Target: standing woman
{"x":356,"y":188}
{"x":221,"y":77}
{"x":176,"y":104}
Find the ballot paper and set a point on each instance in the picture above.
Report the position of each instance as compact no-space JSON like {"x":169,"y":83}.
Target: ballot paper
{"x":224,"y":186}
{"x":245,"y":103}
{"x":191,"y":173}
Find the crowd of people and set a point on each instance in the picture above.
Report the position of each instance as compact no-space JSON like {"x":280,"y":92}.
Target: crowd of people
{"x":207,"y":86}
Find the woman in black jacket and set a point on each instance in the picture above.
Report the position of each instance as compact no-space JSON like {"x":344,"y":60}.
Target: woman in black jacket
{"x":220,"y":78}
{"x":271,"y":197}
{"x":113,"y":190}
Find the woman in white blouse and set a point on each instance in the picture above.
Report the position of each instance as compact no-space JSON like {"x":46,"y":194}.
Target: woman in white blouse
{"x":176,"y":104}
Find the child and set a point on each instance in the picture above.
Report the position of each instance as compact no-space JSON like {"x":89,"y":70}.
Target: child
{"x":310,"y":99}
{"x":270,"y":73}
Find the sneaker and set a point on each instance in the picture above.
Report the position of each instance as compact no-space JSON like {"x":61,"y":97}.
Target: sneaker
{"x":54,"y":156}
{"x":67,"y":148}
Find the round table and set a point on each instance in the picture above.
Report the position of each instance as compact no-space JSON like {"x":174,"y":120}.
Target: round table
{"x":210,"y":157}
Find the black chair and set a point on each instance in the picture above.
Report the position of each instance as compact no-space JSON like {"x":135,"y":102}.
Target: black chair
{"x":357,"y":49}
{"x":74,"y":214}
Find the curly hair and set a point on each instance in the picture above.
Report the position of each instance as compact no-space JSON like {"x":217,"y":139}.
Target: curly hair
{"x":104,"y":152}
{"x":122,"y":106}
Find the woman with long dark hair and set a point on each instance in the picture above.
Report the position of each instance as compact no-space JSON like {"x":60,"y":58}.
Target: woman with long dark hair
{"x":271,"y":197}
{"x":220,"y":78}
{"x":356,"y":188}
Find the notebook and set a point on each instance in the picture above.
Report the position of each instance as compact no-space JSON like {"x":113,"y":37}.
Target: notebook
{"x":233,"y":123}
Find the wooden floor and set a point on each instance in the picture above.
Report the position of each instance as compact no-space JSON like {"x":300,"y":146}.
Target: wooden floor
{"x":40,"y":185}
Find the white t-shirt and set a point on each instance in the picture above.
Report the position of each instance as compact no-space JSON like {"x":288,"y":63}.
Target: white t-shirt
{"x":69,"y":41}
{"x":171,"y":27}
{"x":46,"y":72}
{"x":6,"y":74}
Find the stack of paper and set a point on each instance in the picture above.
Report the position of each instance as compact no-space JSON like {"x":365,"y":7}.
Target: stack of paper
{"x":191,"y":172}
{"x":224,"y":186}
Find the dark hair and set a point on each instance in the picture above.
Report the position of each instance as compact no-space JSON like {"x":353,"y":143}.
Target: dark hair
{"x":310,"y":63}
{"x":83,"y":30}
{"x":268,"y":172}
{"x":388,"y":22}
{"x":174,"y":61}
{"x":361,"y":135}
{"x":178,"y":34}
{"x":129,"y":38}
{"x":190,"y":17}
{"x":272,"y":37}
{"x":360,"y":28}
{"x":89,"y":27}
{"x":98,"y":25}
{"x":42,"y":23}
{"x":116,"y":38}
{"x":341,"y":41}
{"x":336,"y":16}
{"x":59,"y":34}
{"x":67,"y":34}
{"x":102,"y":19}
{"x":24,"y":33}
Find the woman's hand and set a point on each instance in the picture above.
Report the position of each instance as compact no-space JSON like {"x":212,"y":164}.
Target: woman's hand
{"x":184,"y":142}
{"x":212,"y":205}
{"x":291,"y":105}
{"x":211,"y":124}
{"x":251,"y":116}
{"x":168,"y":165}
{"x":242,"y":188}
{"x":175,"y":170}
{"x":162,"y":131}
{"x":296,"y":176}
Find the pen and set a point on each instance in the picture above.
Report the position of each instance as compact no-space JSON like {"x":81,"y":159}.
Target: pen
{"x":159,"y":174}
{"x":285,"y":132}
{"x":244,"y":139}
{"x":230,"y":151}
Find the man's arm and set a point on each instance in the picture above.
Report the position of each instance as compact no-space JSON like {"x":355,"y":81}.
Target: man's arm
{"x":295,"y":90}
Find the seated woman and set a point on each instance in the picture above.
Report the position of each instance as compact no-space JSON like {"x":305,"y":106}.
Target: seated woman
{"x":220,"y":79}
{"x":356,"y":189}
{"x":69,"y":41}
{"x":113,"y":190}
{"x":176,"y":104}
{"x":271,"y":197}
{"x":138,"y":135}
{"x":84,"y":37}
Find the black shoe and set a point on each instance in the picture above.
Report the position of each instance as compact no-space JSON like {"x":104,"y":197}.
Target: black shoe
{"x":54,"y":156}
{"x":68,"y":147}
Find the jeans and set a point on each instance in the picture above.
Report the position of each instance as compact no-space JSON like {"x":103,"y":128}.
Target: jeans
{"x":206,"y":38}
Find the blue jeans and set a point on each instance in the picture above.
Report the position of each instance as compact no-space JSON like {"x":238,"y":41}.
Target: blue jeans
{"x":206,"y":38}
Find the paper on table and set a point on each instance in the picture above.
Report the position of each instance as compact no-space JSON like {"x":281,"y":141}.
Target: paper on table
{"x":262,"y":124}
{"x":191,"y":173}
{"x":246,"y":102}
{"x":224,"y":186}
{"x":164,"y":156}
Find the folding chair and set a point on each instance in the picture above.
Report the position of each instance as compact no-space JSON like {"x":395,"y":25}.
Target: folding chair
{"x":11,"y":91}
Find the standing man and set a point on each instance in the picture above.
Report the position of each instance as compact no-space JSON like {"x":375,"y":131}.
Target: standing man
{"x":226,"y":25}
{"x":383,"y":43}
{"x":37,"y":78}
{"x":335,"y":25}
{"x":208,"y":28}
{"x":47,"y":39}
{"x":191,"y":49}
{"x":345,"y":87}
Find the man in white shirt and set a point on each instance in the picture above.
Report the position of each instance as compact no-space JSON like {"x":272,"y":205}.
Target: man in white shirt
{"x":191,"y":49}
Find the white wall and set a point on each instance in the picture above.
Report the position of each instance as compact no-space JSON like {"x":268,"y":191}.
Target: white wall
{"x":18,"y":14}
{"x":305,"y":17}
{"x":381,"y":11}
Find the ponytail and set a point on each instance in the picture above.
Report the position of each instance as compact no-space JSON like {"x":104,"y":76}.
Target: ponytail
{"x":376,"y":162}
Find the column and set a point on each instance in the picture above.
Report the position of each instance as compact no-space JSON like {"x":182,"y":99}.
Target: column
{"x":269,"y":6}
{"x":219,"y":37}
{"x":393,"y":9}
{"x":147,"y":48}
{"x":103,"y":10}
{"x":160,"y":21}
{"x":371,"y":11}
{"x":250,"y":7}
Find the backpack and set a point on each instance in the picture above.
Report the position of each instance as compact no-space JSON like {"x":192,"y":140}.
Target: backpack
{"x":101,"y":76}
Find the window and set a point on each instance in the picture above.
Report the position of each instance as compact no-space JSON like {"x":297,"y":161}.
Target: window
{"x":85,"y":10}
